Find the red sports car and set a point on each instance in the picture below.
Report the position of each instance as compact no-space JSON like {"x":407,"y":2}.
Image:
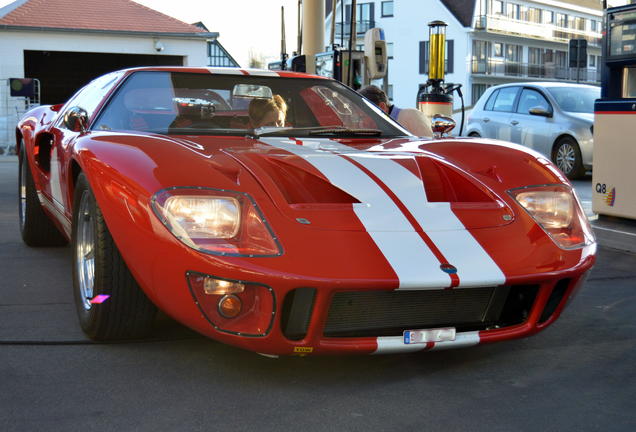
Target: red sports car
{"x":329,"y":229}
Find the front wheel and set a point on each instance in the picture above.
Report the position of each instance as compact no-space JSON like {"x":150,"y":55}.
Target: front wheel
{"x":109,"y":302}
{"x":567,"y":157}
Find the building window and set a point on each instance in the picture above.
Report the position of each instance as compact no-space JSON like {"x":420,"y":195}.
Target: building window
{"x":364,"y":14}
{"x":561,"y":20}
{"x":478,"y":90}
{"x":535,"y":56}
{"x":548,"y":56}
{"x":389,"y":50}
{"x":592,"y":61}
{"x":387,"y":9}
{"x":547,"y":17}
{"x":560,"y":58}
{"x":498,"y":49}
{"x":480,"y":58}
{"x":534,"y":15}
{"x":365,"y":18}
{"x":218,"y":57}
{"x":579,"y":23}
{"x":512,"y":64}
{"x":389,"y":92}
{"x":513,"y":11}
{"x":497,"y":7}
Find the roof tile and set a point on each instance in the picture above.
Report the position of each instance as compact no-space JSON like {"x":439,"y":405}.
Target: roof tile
{"x":111,"y":15}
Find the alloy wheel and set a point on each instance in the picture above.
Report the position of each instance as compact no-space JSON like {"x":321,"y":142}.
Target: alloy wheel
{"x":85,"y":251}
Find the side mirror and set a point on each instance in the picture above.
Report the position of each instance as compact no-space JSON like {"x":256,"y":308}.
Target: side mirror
{"x":76,"y":119}
{"x":540,"y":111}
{"x":441,"y":125}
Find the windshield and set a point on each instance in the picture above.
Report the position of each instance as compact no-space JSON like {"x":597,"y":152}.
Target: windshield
{"x":576,"y":99}
{"x":184,"y":103}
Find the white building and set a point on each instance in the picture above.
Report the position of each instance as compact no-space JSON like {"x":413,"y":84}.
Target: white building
{"x":489,"y":41}
{"x":64,"y":44}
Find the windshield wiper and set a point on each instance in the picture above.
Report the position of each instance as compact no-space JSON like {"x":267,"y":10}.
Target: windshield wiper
{"x":346,"y":131}
{"x":314,"y":130}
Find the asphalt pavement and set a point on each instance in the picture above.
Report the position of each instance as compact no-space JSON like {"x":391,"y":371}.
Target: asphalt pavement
{"x":577,"y":375}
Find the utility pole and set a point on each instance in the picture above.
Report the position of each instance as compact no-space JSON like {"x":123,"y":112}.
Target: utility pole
{"x":313,"y":31}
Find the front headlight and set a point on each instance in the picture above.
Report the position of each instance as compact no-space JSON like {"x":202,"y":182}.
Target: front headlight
{"x":216,"y":221}
{"x":557,"y":211}
{"x":203,"y":217}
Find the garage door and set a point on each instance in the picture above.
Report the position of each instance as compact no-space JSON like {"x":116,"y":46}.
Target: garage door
{"x":61,"y":73}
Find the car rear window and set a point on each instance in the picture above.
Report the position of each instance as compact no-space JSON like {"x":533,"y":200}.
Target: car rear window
{"x":505,"y":99}
{"x":491,"y":101}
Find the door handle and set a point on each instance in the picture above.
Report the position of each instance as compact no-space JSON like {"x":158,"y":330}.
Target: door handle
{"x":514,"y":122}
{"x":486,"y":120}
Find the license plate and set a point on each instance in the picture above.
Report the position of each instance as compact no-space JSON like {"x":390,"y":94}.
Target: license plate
{"x":429,"y":335}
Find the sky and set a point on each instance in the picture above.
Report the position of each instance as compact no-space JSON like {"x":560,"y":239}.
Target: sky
{"x":243,"y":25}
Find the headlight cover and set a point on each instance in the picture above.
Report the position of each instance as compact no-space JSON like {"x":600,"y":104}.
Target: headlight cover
{"x":216,"y":221}
{"x":558,"y":212}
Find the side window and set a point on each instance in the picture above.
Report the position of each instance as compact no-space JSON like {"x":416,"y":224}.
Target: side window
{"x":505,"y":99}
{"x":531,"y":99}
{"x":91,"y":95}
{"x":491,"y":101}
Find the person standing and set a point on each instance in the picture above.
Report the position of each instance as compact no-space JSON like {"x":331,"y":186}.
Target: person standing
{"x":411,"y":119}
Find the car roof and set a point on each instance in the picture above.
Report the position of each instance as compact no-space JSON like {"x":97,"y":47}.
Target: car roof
{"x":224,"y":71}
{"x":544,"y":84}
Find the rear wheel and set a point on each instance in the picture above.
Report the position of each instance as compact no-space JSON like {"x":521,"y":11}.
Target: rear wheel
{"x":474,"y":135}
{"x":35,"y":226}
{"x":567,"y":157}
{"x":109,"y":302}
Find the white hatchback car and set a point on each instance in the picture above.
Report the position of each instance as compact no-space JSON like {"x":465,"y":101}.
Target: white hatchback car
{"x":556,"y":119}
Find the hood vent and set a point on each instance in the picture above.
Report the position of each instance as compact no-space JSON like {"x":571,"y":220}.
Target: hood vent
{"x":299,"y":186}
{"x":444,"y":183}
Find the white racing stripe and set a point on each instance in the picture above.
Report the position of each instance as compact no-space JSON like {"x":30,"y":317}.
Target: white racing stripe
{"x":474,"y":266}
{"x":409,"y":256}
{"x":395,"y":344}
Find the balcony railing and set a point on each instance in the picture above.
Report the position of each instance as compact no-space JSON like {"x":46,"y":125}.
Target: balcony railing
{"x":361,"y":28}
{"x":542,"y":72}
{"x":504,"y":25}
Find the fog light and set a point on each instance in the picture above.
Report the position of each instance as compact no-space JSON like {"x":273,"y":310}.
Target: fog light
{"x":213,"y":286}
{"x":229,"y":306}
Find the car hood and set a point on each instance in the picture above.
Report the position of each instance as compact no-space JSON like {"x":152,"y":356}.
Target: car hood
{"x":391,"y":185}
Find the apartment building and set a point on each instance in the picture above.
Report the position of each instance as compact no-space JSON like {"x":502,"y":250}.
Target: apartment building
{"x":489,"y":42}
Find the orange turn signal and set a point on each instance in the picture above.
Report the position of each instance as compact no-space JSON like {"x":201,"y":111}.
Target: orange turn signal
{"x":230,"y":306}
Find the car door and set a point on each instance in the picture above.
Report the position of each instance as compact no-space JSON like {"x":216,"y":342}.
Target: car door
{"x":89,"y":99}
{"x":496,"y":122}
{"x":533,"y":130}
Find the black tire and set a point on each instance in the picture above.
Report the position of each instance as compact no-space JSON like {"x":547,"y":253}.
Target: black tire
{"x":127,"y":313}
{"x":35,"y":226}
{"x":474,"y":135}
{"x":567,"y":157}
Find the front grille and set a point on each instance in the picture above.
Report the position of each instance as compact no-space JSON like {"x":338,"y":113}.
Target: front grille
{"x":388,"y":313}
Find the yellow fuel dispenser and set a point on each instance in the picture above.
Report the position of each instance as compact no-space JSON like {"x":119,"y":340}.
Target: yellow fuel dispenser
{"x":435,"y":98}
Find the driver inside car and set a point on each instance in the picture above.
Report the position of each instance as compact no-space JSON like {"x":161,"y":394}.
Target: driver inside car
{"x":270,"y":112}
